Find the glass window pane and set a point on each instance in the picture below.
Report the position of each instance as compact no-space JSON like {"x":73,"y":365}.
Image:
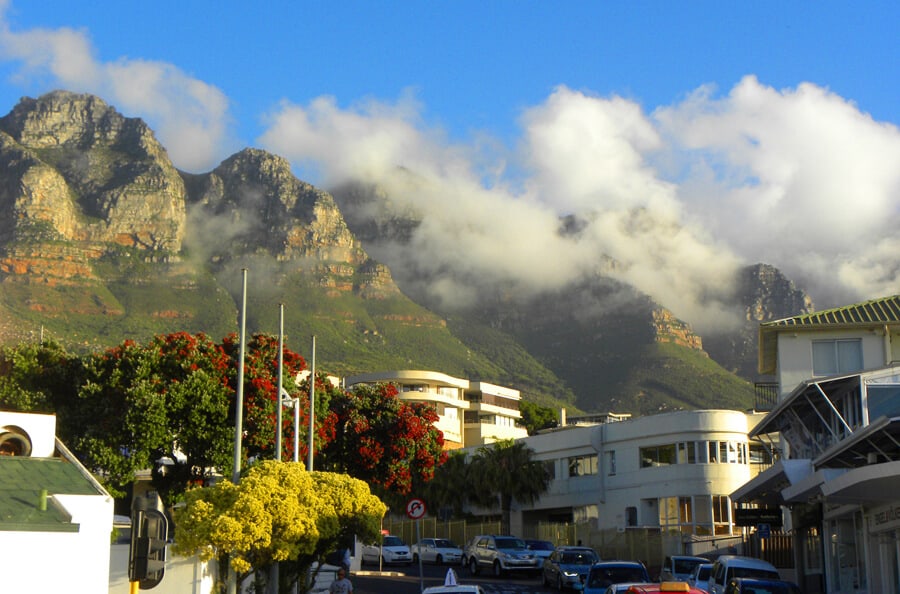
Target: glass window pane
{"x":849,"y":354}
{"x":824,"y":358}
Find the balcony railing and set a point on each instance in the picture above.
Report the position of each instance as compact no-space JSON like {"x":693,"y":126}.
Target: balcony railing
{"x":766,"y":395}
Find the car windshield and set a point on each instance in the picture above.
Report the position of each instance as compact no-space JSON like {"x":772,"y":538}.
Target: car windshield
{"x":686,"y":565}
{"x":602,"y":577}
{"x":753,"y":572}
{"x":540,"y":545}
{"x":392,"y":541}
{"x":703,"y":573}
{"x":510,"y":543}
{"x":443,"y":543}
{"x":579,"y":558}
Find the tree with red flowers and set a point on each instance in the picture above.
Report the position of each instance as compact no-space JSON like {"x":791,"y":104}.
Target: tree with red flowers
{"x":260,"y":398}
{"x":379,"y":438}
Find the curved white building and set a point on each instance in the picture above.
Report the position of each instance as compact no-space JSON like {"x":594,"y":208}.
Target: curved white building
{"x":470,"y":413}
{"x":674,"y":471}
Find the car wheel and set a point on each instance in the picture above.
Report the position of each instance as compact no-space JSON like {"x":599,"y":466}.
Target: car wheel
{"x":473,"y":566}
{"x":439,"y":560}
{"x":498,"y":569}
{"x":415,"y":557}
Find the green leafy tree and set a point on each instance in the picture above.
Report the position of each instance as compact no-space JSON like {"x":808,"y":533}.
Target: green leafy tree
{"x":505,"y":471}
{"x":450,"y":488}
{"x":142,"y":405}
{"x":389,"y":443}
{"x":536,"y":417}
{"x":34,"y":377}
{"x":277,"y":513}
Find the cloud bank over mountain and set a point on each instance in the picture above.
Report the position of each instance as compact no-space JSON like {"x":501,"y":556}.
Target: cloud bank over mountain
{"x":671,"y":200}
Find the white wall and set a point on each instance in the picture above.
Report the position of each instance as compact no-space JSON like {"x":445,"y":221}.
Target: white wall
{"x":795,"y":354}
{"x":184,"y":575}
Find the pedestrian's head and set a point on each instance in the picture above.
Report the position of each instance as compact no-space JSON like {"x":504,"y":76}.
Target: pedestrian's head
{"x":341,"y":573}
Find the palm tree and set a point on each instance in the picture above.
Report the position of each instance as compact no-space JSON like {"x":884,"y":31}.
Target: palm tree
{"x":505,"y":471}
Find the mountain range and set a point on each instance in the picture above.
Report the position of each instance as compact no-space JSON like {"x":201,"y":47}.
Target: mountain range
{"x":103,"y":239}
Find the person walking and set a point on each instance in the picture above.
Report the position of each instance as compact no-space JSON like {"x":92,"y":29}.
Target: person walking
{"x":341,"y":585}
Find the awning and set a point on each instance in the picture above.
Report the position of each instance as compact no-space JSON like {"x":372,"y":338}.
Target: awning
{"x":811,"y":486}
{"x":869,"y":484}
{"x":766,"y":487}
{"x":879,"y":439}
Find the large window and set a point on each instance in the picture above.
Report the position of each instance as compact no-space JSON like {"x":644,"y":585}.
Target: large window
{"x":661,"y":455}
{"x":582,"y":465}
{"x":831,"y":357}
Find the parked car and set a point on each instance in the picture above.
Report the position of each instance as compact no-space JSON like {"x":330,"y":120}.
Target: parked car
{"x":436,"y":550}
{"x":606,"y":573}
{"x":728,"y":567}
{"x":700,"y":576}
{"x":392,"y":550}
{"x":678,"y":568}
{"x":568,"y":567}
{"x":541,"y":548}
{"x":761,"y":586}
{"x":500,"y":554}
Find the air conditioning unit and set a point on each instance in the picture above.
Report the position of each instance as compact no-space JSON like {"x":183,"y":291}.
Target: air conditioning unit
{"x":27,"y":434}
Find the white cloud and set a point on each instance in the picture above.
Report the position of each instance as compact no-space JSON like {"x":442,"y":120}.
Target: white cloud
{"x":679,"y":198}
{"x":798,"y":178}
{"x":190,"y":117}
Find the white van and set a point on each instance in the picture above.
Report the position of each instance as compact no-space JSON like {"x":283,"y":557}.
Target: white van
{"x":727,"y":567}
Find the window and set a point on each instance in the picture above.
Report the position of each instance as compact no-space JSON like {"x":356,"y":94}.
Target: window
{"x":550,"y":468}
{"x":721,"y":514}
{"x":611,"y":460}
{"x":831,"y":357}
{"x":582,"y":465}
{"x":883,"y":400}
{"x":661,"y":455}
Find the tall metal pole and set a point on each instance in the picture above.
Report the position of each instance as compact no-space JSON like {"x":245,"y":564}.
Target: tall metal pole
{"x":239,"y":412}
{"x":312,"y":404}
{"x":274,"y":571}
{"x":278,"y":396}
{"x":239,"y":401}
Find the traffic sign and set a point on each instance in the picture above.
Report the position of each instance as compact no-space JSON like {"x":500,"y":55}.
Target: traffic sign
{"x":415,"y":509}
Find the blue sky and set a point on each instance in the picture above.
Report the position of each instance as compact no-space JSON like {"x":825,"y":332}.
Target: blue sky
{"x":756,"y":131}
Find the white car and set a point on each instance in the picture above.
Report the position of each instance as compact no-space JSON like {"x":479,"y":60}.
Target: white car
{"x":436,"y":550}
{"x":392,"y":550}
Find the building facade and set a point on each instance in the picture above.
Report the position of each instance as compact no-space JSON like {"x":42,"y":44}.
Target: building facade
{"x":838,"y":417}
{"x":672,"y":471}
{"x":470,"y":413}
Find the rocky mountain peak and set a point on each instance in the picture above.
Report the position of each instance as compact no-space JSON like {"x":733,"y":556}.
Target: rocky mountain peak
{"x":769,"y":295}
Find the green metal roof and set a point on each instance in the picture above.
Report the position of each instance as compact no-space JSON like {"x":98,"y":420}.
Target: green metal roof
{"x":21,"y":482}
{"x":876,"y":312}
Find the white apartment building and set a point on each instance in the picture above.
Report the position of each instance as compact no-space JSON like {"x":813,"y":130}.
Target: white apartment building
{"x":838,"y":415}
{"x":470,"y":413}
{"x":673,"y":471}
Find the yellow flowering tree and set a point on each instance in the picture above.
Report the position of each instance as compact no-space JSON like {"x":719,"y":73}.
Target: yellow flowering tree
{"x":278,"y":512}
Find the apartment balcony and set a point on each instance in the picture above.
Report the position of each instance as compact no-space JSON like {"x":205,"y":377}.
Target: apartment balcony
{"x":766,"y":395}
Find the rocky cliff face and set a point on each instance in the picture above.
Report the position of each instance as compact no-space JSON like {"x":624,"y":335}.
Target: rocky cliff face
{"x":93,"y":210}
{"x":78,"y":172}
{"x":763,"y":294}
